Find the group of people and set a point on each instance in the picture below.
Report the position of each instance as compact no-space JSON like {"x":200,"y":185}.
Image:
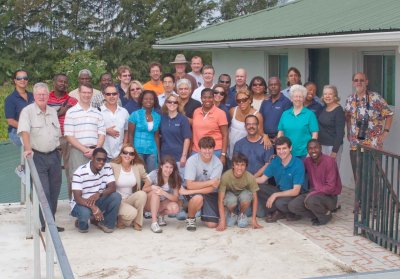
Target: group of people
{"x":182,"y":145}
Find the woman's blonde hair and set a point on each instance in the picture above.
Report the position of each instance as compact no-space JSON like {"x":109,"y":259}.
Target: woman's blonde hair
{"x":335,"y":92}
{"x":164,"y":108}
{"x":128,"y":92}
{"x":136,"y":159}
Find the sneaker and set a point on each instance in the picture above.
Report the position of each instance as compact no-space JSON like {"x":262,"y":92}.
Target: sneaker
{"x":161,"y":221}
{"x":147,"y":215}
{"x":182,"y":215}
{"x":104,"y":228}
{"x":20,"y":171}
{"x":155,"y":228}
{"x":191,"y":224}
{"x":231,"y":219}
{"x":242,"y":221}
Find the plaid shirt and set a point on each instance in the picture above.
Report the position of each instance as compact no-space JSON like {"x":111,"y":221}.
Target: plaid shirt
{"x":143,"y":140}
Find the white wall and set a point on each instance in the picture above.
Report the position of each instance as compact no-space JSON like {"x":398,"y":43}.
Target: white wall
{"x":342,"y":66}
{"x":227,"y":61}
{"x":344,"y":62}
{"x":297,"y":57}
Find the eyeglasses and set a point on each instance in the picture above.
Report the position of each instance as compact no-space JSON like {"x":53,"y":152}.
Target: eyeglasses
{"x":22,"y":78}
{"x":128,"y":153}
{"x":224,"y":81}
{"x":111,"y":94}
{"x":243,"y":100}
{"x":222,"y":93}
{"x":126,"y":76}
{"x":135,"y":89}
{"x":358,"y":80}
{"x":100,"y":159}
{"x":172,"y":102}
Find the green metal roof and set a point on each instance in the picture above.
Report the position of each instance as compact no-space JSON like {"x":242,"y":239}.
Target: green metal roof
{"x":300,"y":19}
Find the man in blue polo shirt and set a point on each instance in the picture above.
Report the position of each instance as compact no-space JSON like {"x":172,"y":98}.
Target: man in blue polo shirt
{"x":272,"y":109}
{"x":240,"y":79}
{"x":288,"y":172}
{"x":15,"y":102}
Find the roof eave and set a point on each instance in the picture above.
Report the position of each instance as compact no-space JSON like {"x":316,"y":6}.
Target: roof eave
{"x":391,"y":38}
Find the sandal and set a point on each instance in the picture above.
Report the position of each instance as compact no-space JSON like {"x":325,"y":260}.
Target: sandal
{"x":136,"y":226}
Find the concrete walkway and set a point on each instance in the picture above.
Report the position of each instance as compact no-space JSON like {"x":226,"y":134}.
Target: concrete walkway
{"x":281,"y":250}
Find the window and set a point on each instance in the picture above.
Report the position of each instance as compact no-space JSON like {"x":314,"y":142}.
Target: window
{"x":277,"y":67}
{"x":381,"y":71}
{"x":318,"y":67}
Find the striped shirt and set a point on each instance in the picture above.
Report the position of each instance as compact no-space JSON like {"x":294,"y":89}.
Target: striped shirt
{"x":57,"y":103}
{"x":88,"y":182}
{"x":84,"y":125}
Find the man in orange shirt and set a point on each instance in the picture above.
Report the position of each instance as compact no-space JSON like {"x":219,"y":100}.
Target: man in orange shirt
{"x":155,"y":83}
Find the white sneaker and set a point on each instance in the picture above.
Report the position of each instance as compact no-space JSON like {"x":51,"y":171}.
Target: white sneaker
{"x":155,"y":228}
{"x":191,"y":224}
{"x":161,"y":221}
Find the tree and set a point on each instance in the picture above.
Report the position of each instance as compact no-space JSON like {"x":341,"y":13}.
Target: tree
{"x":234,"y":8}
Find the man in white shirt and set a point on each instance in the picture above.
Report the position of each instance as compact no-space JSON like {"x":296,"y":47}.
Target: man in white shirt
{"x":196,"y":64}
{"x":208,"y":76}
{"x":116,"y":122}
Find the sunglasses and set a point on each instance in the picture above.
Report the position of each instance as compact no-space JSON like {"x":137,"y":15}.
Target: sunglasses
{"x":224,"y":81}
{"x":222,"y":93}
{"x":358,"y":80}
{"x":241,"y":101}
{"x":128,"y":153}
{"x":172,"y":102}
{"x":22,"y":78}
{"x":101,"y":159}
{"x":126,"y":76}
{"x":111,"y":94}
{"x":135,"y":89}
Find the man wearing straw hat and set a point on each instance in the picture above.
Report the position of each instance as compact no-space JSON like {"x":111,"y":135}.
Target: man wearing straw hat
{"x":180,"y":70}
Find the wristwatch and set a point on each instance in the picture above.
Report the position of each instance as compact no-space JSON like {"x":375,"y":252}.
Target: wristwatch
{"x":386,"y":130}
{"x":223,"y":154}
{"x":101,"y":192}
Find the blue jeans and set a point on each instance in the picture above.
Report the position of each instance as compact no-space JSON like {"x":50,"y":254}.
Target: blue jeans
{"x":109,"y":205}
{"x":12,"y":135}
{"x":150,"y":161}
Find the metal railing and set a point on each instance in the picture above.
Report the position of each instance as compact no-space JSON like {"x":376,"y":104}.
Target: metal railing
{"x":52,"y":240}
{"x":377,"y":205}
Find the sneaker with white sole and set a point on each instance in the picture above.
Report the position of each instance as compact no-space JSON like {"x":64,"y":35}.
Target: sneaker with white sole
{"x":242,"y":221}
{"x":155,"y":228}
{"x":191,"y":224}
{"x":161,"y":221}
{"x":231,"y":219}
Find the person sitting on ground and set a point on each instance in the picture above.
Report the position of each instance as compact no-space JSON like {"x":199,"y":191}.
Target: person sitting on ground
{"x":162,"y":188}
{"x":129,"y":174}
{"x":202,"y":174}
{"x":93,"y":194}
{"x":237,"y":186}
{"x":288,"y":172}
{"x":325,"y":183}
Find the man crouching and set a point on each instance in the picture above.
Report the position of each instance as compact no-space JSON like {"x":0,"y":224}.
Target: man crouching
{"x":93,"y":188}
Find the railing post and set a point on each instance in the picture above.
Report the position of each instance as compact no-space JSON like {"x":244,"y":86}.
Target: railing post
{"x":36,"y":236}
{"x":22,"y":162}
{"x":28,"y":203}
{"x":49,"y":256}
